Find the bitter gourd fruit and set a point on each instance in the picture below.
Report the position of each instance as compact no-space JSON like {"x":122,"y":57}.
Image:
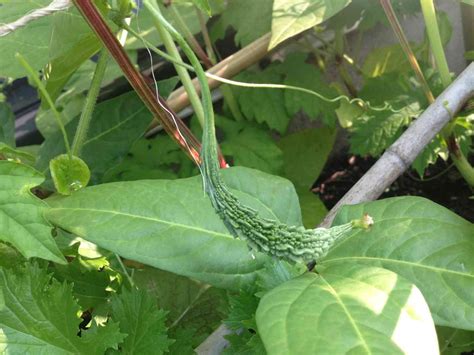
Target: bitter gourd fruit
{"x":293,"y":243}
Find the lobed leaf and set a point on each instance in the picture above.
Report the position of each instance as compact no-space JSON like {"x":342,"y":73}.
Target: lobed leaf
{"x":90,"y":278}
{"x":264,"y":105}
{"x":301,"y":74}
{"x":375,"y":131}
{"x":189,"y":304}
{"x":39,"y":315}
{"x":140,"y":318}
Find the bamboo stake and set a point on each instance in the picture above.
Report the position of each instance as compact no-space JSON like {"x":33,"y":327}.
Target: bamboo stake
{"x":401,"y":154}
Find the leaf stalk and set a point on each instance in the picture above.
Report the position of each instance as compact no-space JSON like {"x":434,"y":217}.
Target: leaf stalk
{"x":91,"y":99}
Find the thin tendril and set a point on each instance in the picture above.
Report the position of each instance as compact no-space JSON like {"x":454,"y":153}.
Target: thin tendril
{"x":432,"y":177}
{"x":365,"y":104}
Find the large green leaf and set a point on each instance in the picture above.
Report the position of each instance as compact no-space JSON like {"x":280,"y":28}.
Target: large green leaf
{"x":21,"y":213}
{"x":172,"y":226}
{"x":31,"y":41}
{"x":291,"y":17}
{"x":116,"y":124}
{"x":38,"y":315}
{"x":422,"y":241}
{"x":346,"y":309}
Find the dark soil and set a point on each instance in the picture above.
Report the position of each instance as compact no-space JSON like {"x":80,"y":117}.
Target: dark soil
{"x":441,"y":184}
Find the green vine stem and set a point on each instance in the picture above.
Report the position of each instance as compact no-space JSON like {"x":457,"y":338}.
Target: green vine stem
{"x":397,"y":29}
{"x":431,"y":23}
{"x":190,"y":37}
{"x":44,"y":92}
{"x":182,"y":72}
{"x":207,"y":39}
{"x":91,"y":99}
{"x":227,"y":92}
{"x":457,"y":156}
{"x":461,"y":162}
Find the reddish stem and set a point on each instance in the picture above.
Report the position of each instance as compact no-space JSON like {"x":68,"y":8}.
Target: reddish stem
{"x":157,"y":106}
